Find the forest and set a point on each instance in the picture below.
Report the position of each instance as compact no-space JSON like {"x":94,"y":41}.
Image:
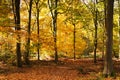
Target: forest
{"x":59,"y":39}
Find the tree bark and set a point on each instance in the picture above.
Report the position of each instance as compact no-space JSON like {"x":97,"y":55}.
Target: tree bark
{"x":29,"y":34}
{"x":108,"y":64}
{"x":119,"y":26}
{"x":74,"y":41}
{"x":96,"y":27}
{"x":55,"y":30}
{"x":17,"y":28}
{"x":54,"y":23}
{"x":0,"y":2}
{"x":104,"y":31}
{"x":38,"y":28}
{"x":103,"y":42}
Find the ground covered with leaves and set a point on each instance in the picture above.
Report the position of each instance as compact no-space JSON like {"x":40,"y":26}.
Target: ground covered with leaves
{"x":65,"y":69}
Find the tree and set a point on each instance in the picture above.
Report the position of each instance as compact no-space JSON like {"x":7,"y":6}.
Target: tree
{"x":73,"y":16}
{"x":53,"y":9}
{"x":29,"y":34}
{"x":74,"y":41}
{"x":0,"y":1}
{"x":96,"y":28}
{"x":119,"y":25}
{"x":16,"y":11}
{"x":108,"y":64}
{"x":39,"y":5}
{"x":94,"y":13}
{"x":37,"y":2}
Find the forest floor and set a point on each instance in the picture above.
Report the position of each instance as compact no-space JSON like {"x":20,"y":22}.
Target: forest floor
{"x":65,"y":69}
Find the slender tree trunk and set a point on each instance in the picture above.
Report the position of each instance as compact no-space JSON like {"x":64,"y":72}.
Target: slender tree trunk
{"x":0,"y":2}
{"x":108,"y":64}
{"x":96,"y":27}
{"x":14,"y":12}
{"x":54,"y":23}
{"x":55,"y":30}
{"x":29,"y":34}
{"x":74,"y":41}
{"x":38,"y":32}
{"x":104,"y":31}
{"x":17,"y":28}
{"x":119,"y":26}
{"x":103,"y":42}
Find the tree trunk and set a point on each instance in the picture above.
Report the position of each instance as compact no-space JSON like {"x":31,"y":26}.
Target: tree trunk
{"x":104,"y":35}
{"x":96,"y":27}
{"x":108,"y":64}
{"x":54,"y":22}
{"x":17,"y":28}
{"x":0,"y":2}
{"x":103,"y":42}
{"x":119,"y":26}
{"x":55,"y":30}
{"x":74,"y":41}
{"x":14,"y":12}
{"x":38,"y":32}
{"x":29,"y":34}
{"x":38,"y":48}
